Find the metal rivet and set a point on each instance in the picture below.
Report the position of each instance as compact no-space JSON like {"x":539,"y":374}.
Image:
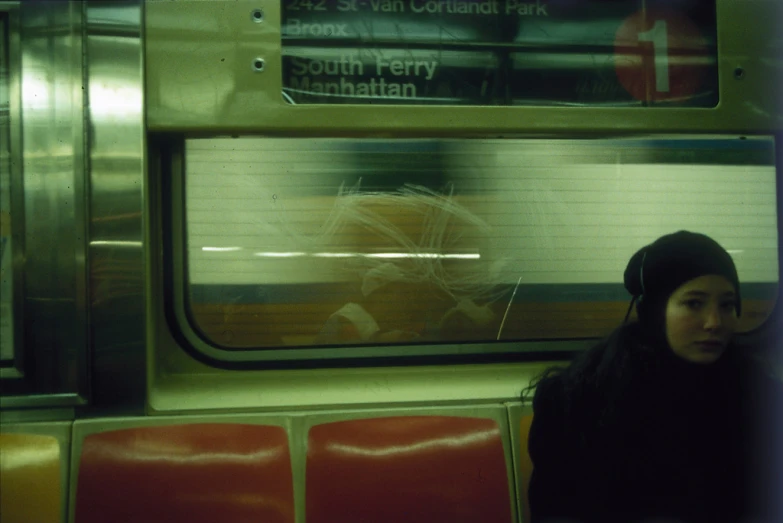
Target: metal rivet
{"x":258,"y":65}
{"x":257,"y":15}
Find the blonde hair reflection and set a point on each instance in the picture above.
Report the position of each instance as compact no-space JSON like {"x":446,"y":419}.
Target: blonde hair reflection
{"x":433,"y":239}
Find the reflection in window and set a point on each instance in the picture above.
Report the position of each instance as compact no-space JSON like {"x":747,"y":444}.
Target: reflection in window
{"x":336,"y":242}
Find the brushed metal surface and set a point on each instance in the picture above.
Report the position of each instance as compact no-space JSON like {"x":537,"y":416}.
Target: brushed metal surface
{"x":11,"y":195}
{"x":52,"y":102}
{"x":114,"y":86}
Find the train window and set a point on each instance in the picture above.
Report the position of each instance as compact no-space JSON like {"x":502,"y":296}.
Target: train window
{"x":6,"y":260}
{"x":340,"y":242}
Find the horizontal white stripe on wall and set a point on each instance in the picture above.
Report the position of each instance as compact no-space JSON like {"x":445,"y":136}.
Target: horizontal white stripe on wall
{"x":555,"y":211}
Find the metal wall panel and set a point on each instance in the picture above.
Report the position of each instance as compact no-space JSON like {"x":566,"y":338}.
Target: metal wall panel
{"x":52,"y":101}
{"x":201,"y":76}
{"x":11,"y":222}
{"x":115,"y":113}
{"x":82,"y":152}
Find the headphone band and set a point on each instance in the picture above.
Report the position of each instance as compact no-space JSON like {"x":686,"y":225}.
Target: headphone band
{"x":641,"y":271}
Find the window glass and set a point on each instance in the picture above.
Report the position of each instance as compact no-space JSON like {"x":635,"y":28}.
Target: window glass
{"x":307,"y":242}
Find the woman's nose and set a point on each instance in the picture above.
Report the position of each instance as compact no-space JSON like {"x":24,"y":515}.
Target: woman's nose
{"x":713,"y":319}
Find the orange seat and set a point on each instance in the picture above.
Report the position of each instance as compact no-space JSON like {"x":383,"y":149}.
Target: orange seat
{"x":407,"y":468}
{"x":29,"y":478}
{"x":194,"y":473}
{"x":525,"y":464}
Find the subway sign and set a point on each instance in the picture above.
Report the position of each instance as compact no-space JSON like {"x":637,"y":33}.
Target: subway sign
{"x":646,"y":53}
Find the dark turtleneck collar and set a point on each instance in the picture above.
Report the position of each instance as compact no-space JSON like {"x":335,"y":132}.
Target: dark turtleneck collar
{"x":686,"y":382}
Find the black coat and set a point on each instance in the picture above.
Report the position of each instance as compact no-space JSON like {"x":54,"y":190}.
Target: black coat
{"x":681,"y":443}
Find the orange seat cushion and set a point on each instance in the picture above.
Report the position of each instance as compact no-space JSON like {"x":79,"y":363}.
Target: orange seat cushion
{"x":407,"y":468}
{"x":29,"y":478}
{"x":194,"y":473}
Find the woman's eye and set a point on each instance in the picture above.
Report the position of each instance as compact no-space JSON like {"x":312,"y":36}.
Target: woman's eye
{"x":694,"y":304}
{"x":728,"y":306}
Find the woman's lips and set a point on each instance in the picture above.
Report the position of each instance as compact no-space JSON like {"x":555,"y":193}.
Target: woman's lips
{"x":710,"y":345}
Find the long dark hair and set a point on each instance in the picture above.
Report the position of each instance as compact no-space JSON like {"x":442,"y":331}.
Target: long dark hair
{"x":602,"y":374}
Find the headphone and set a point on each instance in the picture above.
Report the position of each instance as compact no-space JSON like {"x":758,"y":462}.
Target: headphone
{"x":637,"y":298}
{"x":641,"y":273}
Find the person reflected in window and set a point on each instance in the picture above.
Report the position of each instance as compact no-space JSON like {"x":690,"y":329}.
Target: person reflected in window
{"x":390,"y":310}
{"x":438,"y":286}
{"x":384,"y":313}
{"x":668,"y":419}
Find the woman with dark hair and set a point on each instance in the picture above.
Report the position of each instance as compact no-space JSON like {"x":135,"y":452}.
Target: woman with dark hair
{"x":667,"y":420}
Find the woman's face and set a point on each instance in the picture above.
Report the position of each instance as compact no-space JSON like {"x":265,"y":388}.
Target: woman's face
{"x":701,"y":318}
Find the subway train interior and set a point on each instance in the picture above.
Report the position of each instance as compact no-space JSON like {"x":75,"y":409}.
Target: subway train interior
{"x":296,"y":261}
